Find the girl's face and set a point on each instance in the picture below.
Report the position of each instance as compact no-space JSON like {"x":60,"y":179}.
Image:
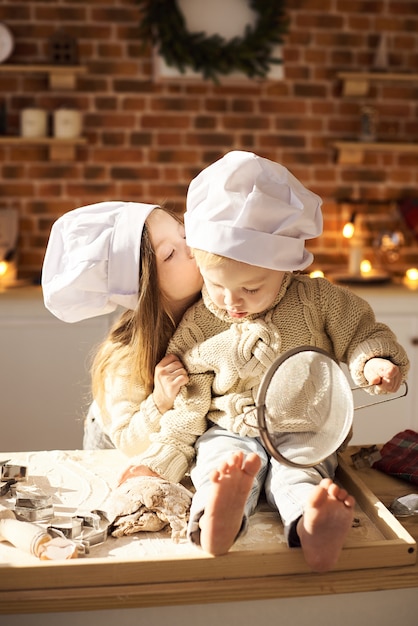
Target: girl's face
{"x":178,"y":275}
{"x":242,"y":289}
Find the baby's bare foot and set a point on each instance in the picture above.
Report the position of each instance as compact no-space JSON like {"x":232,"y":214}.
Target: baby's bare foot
{"x":325,"y":524}
{"x":222,"y":519}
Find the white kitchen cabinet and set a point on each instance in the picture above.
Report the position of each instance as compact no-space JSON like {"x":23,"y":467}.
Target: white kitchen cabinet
{"x":44,"y":373}
{"x":398,"y":308}
{"x":45,"y":382}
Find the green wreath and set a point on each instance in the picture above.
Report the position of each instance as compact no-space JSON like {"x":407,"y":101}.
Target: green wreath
{"x":163,"y":25}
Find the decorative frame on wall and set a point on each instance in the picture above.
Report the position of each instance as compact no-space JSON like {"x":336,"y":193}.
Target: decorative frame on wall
{"x":194,"y":39}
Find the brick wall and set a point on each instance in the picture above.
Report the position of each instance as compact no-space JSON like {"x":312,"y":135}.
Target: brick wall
{"x":146,"y":140}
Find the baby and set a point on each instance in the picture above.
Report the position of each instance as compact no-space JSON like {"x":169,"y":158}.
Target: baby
{"x":247,"y":221}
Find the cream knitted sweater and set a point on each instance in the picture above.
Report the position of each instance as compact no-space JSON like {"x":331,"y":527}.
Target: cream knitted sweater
{"x":130,"y":416}
{"x":226,"y":359}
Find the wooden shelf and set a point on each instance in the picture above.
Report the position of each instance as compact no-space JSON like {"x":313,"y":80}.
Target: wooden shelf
{"x":352,"y":152}
{"x":358,"y":83}
{"x":60,"y":76}
{"x":58,"y":149}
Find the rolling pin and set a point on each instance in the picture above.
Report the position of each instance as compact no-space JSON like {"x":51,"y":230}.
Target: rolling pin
{"x":34,"y":539}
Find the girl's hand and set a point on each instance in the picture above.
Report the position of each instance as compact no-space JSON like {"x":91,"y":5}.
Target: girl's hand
{"x":169,"y":377}
{"x":383,"y":373}
{"x":136,"y":470}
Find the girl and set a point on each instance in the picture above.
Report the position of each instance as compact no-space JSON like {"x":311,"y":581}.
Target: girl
{"x":133,"y":255}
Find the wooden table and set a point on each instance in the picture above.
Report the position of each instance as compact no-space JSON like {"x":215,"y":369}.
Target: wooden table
{"x":248,"y":572}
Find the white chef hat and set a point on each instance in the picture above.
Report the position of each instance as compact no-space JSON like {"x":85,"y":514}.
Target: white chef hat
{"x":91,"y":263}
{"x":251,"y":209}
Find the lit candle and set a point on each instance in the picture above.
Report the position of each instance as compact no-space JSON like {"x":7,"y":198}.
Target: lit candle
{"x":3,"y":272}
{"x":355,"y":258}
{"x":348,"y":230}
{"x":411,"y":278}
{"x":317,"y":274}
{"x":365,"y":268}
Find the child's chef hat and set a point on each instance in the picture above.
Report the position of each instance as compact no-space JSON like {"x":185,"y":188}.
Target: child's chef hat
{"x":253,"y":210}
{"x":92,"y":259}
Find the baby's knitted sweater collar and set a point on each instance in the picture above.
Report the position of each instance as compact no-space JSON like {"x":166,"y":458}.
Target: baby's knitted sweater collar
{"x":224,"y":316}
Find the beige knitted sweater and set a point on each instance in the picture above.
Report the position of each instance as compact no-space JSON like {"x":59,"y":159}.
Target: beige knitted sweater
{"x":226,"y":359}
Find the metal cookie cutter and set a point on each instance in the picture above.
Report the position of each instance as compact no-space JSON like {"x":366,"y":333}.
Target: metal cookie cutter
{"x":405,"y":506}
{"x":9,"y":475}
{"x":70,"y":527}
{"x":10,"y":471}
{"x":85,"y":528}
{"x":95,"y":529}
{"x":365,"y":457}
{"x":32,"y":504}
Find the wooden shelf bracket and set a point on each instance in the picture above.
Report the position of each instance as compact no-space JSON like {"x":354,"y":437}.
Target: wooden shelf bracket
{"x":352,"y":152}
{"x":61,"y":77}
{"x":58,"y":149}
{"x":358,"y":83}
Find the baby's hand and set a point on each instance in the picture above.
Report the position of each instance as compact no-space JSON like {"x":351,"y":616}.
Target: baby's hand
{"x":136,"y":470}
{"x":169,"y":377}
{"x":383,"y":373}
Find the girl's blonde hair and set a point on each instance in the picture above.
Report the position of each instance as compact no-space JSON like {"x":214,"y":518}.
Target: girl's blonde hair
{"x":139,"y":339}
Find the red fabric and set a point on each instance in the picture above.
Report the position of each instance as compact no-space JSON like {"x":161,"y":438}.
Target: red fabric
{"x":400,"y":456}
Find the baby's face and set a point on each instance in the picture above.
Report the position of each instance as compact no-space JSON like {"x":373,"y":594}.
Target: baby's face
{"x":242,"y":289}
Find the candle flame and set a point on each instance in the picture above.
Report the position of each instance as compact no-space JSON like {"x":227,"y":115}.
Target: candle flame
{"x":412,"y":274}
{"x":365,"y":267}
{"x":348,"y":230}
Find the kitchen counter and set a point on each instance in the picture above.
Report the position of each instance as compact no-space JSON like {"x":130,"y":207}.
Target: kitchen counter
{"x":389,"y":299}
{"x":12,"y":299}
{"x":393,"y":297}
{"x":45,"y":385}
{"x":27,"y":301}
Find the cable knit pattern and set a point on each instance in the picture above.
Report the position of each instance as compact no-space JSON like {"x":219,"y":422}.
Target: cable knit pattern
{"x":226,"y":359}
